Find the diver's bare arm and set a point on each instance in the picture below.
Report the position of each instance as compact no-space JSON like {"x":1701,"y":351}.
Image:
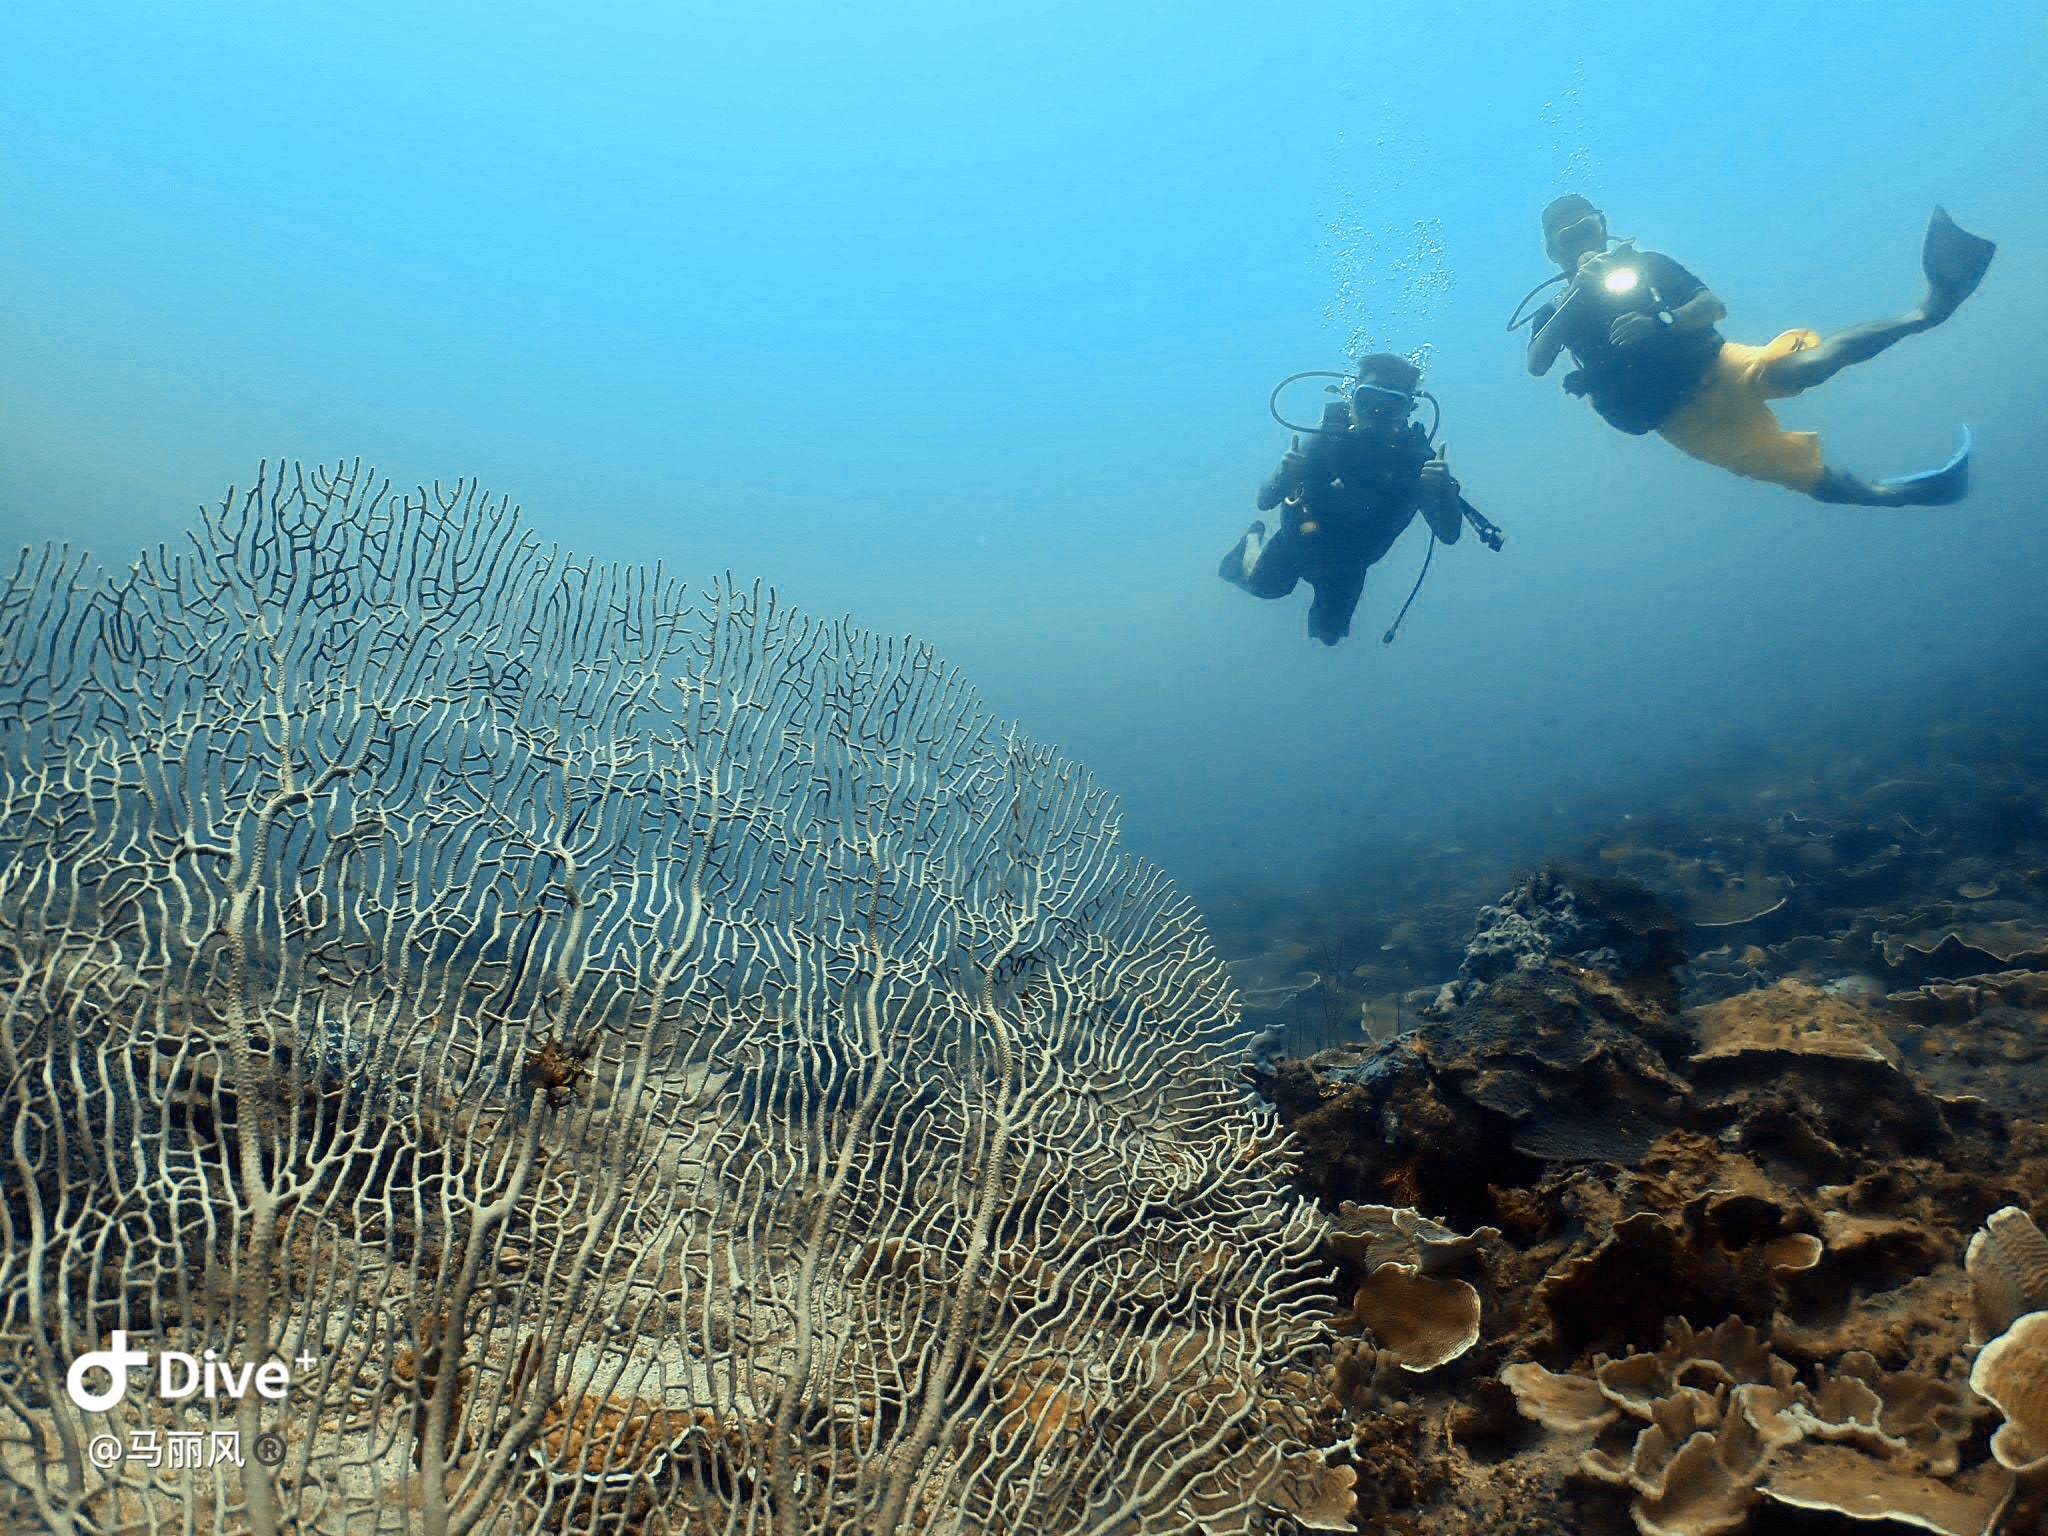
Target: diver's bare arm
{"x":1698,"y":312}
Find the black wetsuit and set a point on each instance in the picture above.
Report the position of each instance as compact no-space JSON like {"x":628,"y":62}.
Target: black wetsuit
{"x":1349,"y":495}
{"x":1635,"y":387}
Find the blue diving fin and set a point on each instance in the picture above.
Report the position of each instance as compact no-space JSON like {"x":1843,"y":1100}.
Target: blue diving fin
{"x":1936,"y":487}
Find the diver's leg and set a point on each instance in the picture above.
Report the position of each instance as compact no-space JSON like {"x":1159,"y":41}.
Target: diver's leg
{"x":1933,"y":488}
{"x":1953,"y":261}
{"x":1337,"y":594}
{"x":1840,"y":488}
{"x":1798,"y":371}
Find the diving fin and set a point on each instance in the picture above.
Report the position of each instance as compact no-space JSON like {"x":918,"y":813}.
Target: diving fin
{"x":1954,"y":261}
{"x":1243,"y":559}
{"x":1932,"y":487}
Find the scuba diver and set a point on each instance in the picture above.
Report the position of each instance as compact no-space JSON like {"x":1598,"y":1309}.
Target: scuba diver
{"x":1642,"y":330}
{"x":1347,"y":496}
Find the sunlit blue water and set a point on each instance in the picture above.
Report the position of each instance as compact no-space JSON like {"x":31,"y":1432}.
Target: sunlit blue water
{"x":962,"y":319}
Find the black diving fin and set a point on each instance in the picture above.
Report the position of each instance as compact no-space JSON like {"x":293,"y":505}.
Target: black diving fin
{"x":1954,"y":261}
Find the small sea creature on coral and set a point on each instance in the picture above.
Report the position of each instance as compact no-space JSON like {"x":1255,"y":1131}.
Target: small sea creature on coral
{"x":558,"y":1070}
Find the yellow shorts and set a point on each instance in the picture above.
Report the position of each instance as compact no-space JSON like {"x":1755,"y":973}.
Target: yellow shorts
{"x":1727,"y":423}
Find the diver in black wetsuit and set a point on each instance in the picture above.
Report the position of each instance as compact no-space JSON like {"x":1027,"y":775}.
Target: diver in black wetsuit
{"x":1346,"y":496}
{"x":1650,"y":359}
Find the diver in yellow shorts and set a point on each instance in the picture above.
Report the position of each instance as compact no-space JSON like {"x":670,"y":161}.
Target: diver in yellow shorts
{"x":1642,"y":331}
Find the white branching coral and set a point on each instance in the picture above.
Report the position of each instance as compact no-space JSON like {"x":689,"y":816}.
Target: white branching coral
{"x":665,"y":1067}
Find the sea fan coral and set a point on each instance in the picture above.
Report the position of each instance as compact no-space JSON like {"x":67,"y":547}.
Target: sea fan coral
{"x":656,"y":1067}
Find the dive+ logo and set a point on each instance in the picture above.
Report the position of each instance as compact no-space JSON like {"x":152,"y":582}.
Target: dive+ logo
{"x":179,"y":1375}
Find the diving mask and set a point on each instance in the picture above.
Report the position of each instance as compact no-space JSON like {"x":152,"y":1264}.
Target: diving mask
{"x":1379,"y":400}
